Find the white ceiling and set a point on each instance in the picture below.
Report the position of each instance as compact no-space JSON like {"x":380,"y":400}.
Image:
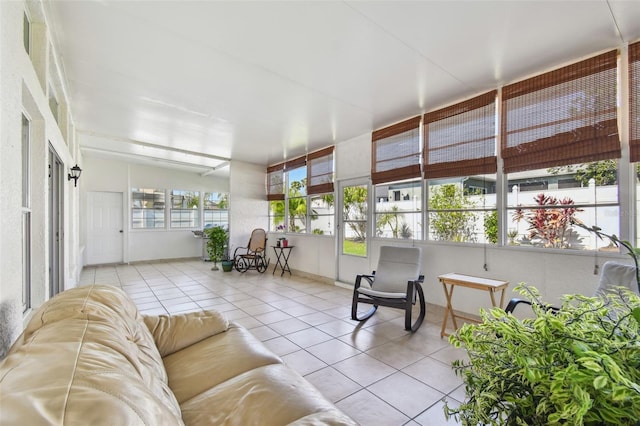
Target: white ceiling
{"x":203,"y":81}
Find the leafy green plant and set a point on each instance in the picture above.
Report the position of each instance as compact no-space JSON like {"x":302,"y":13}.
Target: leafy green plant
{"x":550,"y":225}
{"x":491,"y":227}
{"x":450,"y":219}
{"x":577,"y":366}
{"x":216,"y":244}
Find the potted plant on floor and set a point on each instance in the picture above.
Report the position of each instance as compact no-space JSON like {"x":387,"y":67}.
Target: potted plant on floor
{"x":227,"y":261}
{"x":579,"y":365}
{"x":217,"y":241}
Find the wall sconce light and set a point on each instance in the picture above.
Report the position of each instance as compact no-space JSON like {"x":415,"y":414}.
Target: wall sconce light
{"x":75,"y":174}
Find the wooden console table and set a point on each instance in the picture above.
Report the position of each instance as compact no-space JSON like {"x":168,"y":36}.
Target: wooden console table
{"x":450,"y":281}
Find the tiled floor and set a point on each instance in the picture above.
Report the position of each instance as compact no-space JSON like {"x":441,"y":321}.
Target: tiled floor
{"x":374,"y":371}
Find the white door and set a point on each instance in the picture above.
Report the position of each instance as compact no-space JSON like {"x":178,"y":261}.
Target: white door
{"x":353,"y":229}
{"x":104,"y":227}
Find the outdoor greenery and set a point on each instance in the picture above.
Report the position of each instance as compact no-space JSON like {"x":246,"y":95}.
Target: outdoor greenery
{"x":356,"y":248}
{"x":577,"y":366}
{"x":491,"y":227}
{"x":549,"y":226}
{"x":449,"y":219}
{"x":355,"y":211}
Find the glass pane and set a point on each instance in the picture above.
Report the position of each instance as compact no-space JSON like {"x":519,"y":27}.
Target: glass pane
{"x":185,"y":218}
{"x":544,"y":203}
{"x":26,"y":169}
{"x":297,"y":214}
{"x":297,"y":182}
{"x":398,"y":207}
{"x":637,"y":168}
{"x":185,"y":199}
{"x":322,"y":214}
{"x":216,"y":218}
{"x":216,"y":200}
{"x":354,"y":220}
{"x":276,"y":216}
{"x":26,"y":33}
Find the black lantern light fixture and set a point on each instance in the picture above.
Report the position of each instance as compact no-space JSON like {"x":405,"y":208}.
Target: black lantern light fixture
{"x":75,"y":174}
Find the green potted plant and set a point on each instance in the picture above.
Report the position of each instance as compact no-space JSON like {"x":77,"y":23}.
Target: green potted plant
{"x":579,"y":365}
{"x":216,"y":243}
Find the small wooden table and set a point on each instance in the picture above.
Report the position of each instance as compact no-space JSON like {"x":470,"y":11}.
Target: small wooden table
{"x":449,"y":281}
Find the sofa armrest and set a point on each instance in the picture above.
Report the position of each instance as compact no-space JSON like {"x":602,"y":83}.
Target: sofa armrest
{"x":172,"y":333}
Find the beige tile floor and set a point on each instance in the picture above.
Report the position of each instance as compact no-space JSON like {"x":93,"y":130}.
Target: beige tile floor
{"x":375,"y":371}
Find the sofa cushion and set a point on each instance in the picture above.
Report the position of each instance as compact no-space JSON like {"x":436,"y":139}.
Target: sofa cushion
{"x":174,"y":332}
{"x":214,"y":360}
{"x":86,"y":345}
{"x":269,"y":395}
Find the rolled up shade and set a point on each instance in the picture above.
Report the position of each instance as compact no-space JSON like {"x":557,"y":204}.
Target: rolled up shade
{"x":320,"y":171}
{"x":565,"y":116}
{"x":460,"y":140}
{"x":395,"y":153}
{"x":275,"y":182}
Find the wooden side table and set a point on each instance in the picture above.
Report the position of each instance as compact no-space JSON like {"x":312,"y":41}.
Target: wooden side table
{"x":450,"y":281}
{"x":282,"y":259}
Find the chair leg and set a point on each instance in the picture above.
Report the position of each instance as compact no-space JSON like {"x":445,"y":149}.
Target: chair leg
{"x":411,"y":287}
{"x":354,"y":304}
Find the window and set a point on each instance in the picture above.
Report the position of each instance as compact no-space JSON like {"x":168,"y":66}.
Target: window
{"x":558,"y":127}
{"x":26,"y":214}
{"x":398,"y":208}
{"x":460,"y":167}
{"x":320,"y":190}
{"x":185,"y":209}
{"x":26,"y":33}
{"x":296,"y":178}
{"x":147,"y":210}
{"x":216,"y":209}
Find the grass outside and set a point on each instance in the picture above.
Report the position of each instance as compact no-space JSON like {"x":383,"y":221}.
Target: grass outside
{"x":356,"y":248}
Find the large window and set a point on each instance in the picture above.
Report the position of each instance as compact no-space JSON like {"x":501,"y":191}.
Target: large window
{"x":185,"y":209}
{"x":398,"y":208}
{"x":26,"y":214}
{"x":147,"y":210}
{"x":560,"y":144}
{"x":216,"y":209}
{"x":460,"y":167}
{"x":296,"y":178}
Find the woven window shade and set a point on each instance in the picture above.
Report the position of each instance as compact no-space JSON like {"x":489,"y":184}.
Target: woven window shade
{"x":396,"y":152}
{"x":566,"y":116}
{"x":320,"y":171}
{"x":275,"y":182}
{"x":460,"y":140}
{"x":634,"y":101}
{"x":295,"y":163}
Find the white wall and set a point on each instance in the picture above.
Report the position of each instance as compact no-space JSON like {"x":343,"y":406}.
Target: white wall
{"x":248,"y":204}
{"x":112,"y":175}
{"x":23,"y":87}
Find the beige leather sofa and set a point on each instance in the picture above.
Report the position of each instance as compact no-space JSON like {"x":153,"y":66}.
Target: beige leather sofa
{"x":88,"y":357}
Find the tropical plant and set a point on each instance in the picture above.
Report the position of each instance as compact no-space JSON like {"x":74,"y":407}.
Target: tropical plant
{"x":491,"y":227}
{"x":389,"y":218}
{"x":549,"y":226}
{"x":577,"y":366}
{"x":216,"y":244}
{"x":450,"y":219}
